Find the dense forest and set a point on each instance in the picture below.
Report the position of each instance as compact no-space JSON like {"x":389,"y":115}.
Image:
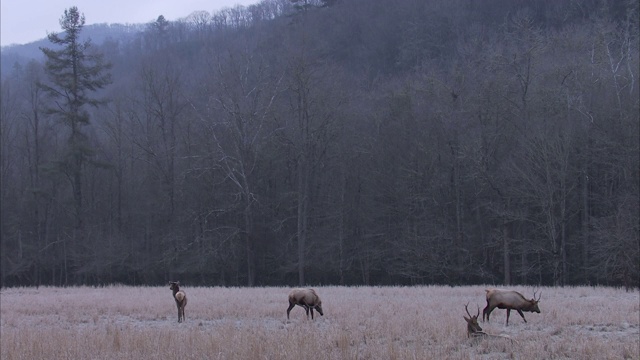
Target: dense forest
{"x":354,"y":142}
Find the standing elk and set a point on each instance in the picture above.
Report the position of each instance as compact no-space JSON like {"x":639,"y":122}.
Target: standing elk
{"x":180,"y":297}
{"x":510,"y":300}
{"x":307,"y":298}
{"x":473,"y":329}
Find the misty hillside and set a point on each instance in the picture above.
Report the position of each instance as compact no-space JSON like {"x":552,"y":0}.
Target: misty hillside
{"x":333,"y":142}
{"x":98,"y":33}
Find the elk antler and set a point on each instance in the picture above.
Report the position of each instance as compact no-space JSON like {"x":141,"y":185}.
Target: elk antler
{"x":478,"y":314}
{"x":539,"y":296}
{"x":465,"y":307}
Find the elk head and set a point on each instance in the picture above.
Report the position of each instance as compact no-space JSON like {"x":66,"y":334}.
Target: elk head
{"x":534,"y":303}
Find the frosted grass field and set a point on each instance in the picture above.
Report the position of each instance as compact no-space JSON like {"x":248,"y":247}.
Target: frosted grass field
{"x":121,"y":322}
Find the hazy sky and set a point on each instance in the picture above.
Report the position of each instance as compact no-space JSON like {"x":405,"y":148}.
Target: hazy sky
{"x":23,"y":21}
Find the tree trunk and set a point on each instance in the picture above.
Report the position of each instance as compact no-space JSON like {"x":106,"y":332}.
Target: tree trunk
{"x":524,"y":265}
{"x":506,"y":254}
{"x":78,"y":160}
{"x":455,"y":183}
{"x":303,"y":200}
{"x":248,"y":233}
{"x":563,"y":253}
{"x":343,"y":190}
{"x":584,"y":218}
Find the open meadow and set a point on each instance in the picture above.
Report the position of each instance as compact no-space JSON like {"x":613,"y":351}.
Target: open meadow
{"x":423,"y":322}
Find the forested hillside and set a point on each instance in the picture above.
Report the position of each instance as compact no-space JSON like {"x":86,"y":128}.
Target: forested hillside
{"x":336,"y":142}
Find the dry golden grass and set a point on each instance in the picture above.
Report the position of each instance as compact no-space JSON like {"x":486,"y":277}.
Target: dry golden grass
{"x":121,"y":322}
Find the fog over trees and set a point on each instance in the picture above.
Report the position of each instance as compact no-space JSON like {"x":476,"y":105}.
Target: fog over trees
{"x":359,"y":142}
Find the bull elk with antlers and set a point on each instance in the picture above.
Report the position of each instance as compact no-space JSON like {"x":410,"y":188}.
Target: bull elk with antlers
{"x":473,"y":329}
{"x":510,"y":300}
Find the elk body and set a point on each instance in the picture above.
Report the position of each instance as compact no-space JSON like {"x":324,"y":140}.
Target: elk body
{"x":180,"y":297}
{"x":510,"y":300}
{"x":307,"y":298}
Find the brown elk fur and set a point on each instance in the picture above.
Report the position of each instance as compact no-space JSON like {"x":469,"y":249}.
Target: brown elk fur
{"x":307,"y":298}
{"x":510,"y":300}
{"x":473,"y":329}
{"x":180,"y":297}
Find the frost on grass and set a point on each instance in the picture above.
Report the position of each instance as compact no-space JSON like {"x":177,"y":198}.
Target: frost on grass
{"x":424,"y":322}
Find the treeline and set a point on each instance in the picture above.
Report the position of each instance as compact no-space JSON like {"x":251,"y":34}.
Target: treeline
{"x":338,"y":142}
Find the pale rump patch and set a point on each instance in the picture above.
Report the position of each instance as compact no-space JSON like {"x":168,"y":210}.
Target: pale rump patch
{"x":180,"y":297}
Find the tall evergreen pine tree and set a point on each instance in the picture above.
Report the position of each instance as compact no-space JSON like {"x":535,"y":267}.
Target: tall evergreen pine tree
{"x":74,"y":73}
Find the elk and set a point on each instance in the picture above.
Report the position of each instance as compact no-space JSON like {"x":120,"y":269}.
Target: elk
{"x":473,"y":329}
{"x":307,"y":298}
{"x":180,"y":297}
{"x":510,"y":300}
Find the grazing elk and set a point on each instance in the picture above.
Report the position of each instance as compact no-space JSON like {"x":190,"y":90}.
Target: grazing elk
{"x":180,"y":297}
{"x":510,"y":300}
{"x":473,"y":329}
{"x":307,"y":298}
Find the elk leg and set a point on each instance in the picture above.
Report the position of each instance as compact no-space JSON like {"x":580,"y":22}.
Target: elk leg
{"x":311,"y":309}
{"x":508,"y":313}
{"x":487,"y":311}
{"x":521,"y":314}
{"x":291,"y":305}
